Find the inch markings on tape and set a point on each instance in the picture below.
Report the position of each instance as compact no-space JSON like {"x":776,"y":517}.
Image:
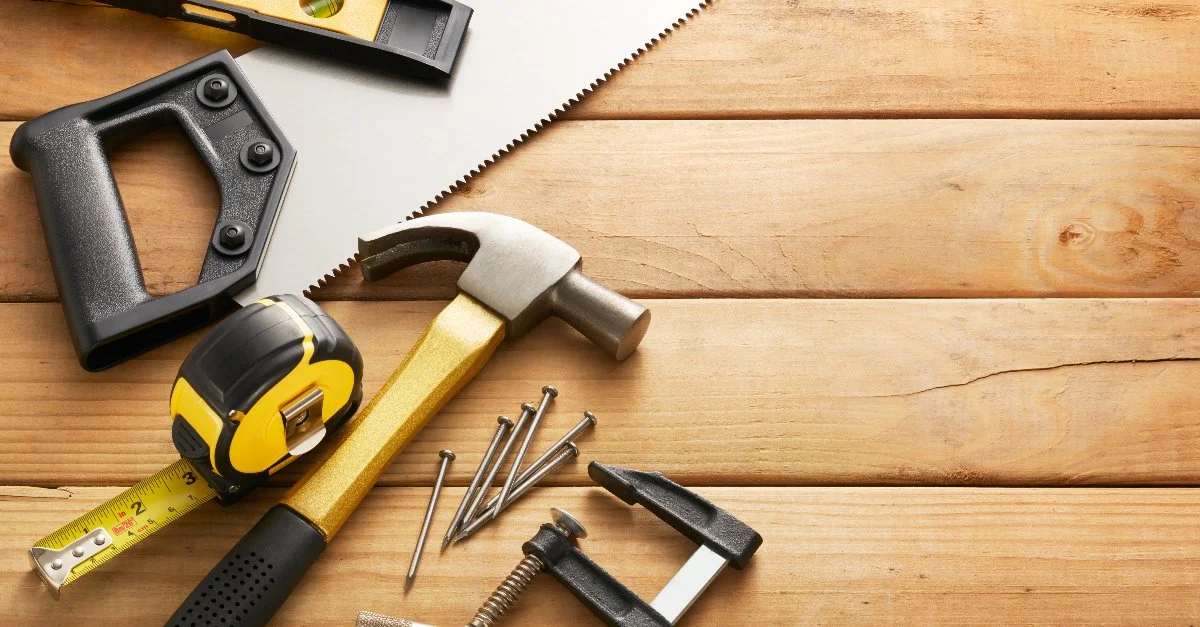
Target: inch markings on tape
{"x":121,"y":522}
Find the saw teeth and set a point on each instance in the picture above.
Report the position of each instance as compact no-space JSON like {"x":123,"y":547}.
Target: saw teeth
{"x":553,"y":115}
{"x":324,"y":281}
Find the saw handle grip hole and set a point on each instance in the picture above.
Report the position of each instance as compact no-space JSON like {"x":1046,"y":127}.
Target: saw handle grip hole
{"x":170,"y":253}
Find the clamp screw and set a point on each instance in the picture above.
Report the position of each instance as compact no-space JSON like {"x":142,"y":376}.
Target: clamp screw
{"x":514,"y":585}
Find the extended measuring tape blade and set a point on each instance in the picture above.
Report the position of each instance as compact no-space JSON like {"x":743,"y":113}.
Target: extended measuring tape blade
{"x":121,"y":522}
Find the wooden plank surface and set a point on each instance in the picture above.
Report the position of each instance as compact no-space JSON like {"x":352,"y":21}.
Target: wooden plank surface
{"x":799,"y":208}
{"x":739,"y":58}
{"x":910,"y":392}
{"x":693,"y":177}
{"x":863,"y":556}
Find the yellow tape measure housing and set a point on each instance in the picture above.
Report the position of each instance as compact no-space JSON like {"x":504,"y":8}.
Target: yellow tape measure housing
{"x":105,"y":532}
{"x":263,"y":387}
{"x":259,"y":391}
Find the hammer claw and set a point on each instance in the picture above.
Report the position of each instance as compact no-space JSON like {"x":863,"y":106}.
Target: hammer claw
{"x":411,"y":253}
{"x":517,"y":270}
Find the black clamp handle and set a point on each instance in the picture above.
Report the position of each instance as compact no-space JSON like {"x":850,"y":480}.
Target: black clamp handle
{"x":689,"y":513}
{"x":110,"y":314}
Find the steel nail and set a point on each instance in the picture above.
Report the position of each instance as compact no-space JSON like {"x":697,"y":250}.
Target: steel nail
{"x":486,"y":484}
{"x":589,"y":420}
{"x":447,"y":456}
{"x":504,"y":424}
{"x":548,"y":394}
{"x":571,"y":451}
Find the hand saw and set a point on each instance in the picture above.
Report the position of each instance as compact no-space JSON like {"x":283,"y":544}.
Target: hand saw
{"x":373,"y":149}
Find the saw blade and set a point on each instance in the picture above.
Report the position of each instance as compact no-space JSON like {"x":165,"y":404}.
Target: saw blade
{"x":375,"y":149}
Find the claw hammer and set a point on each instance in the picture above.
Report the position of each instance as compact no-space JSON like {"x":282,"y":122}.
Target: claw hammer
{"x":517,"y":275}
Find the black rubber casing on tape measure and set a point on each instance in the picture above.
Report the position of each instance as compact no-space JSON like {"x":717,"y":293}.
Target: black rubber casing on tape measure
{"x":238,"y":362}
{"x":110,"y":314}
{"x":419,"y":38}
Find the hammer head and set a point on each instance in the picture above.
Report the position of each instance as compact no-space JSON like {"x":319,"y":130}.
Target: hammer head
{"x":514,"y":268}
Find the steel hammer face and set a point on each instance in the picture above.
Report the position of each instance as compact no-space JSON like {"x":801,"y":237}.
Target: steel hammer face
{"x":515,"y":269}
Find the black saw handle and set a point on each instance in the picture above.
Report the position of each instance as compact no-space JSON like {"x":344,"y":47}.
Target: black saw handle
{"x":253,"y":580}
{"x":110,"y":314}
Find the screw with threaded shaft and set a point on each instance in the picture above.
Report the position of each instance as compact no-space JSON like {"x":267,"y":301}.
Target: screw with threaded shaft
{"x":514,"y":584}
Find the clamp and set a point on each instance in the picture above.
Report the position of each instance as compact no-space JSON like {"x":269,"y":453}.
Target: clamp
{"x":723,"y":540}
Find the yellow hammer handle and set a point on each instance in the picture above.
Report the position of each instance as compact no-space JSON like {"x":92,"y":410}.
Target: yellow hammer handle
{"x":451,"y":350}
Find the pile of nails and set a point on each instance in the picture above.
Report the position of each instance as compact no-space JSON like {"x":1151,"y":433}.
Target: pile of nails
{"x":473,"y":513}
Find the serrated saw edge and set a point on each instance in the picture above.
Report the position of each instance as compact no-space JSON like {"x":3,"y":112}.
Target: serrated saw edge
{"x":524,"y":137}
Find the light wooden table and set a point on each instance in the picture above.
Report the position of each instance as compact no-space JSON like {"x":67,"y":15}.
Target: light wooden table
{"x":858,"y":223}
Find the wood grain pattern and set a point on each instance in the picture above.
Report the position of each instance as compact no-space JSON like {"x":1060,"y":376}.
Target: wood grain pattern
{"x":918,"y":58}
{"x":696,"y":175}
{"x":824,"y":208}
{"x":830,"y":556}
{"x":58,"y":52}
{"x":740,"y":58}
{"x":949,"y":392}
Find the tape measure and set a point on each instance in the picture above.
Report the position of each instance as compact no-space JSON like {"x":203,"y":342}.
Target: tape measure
{"x":265,"y":386}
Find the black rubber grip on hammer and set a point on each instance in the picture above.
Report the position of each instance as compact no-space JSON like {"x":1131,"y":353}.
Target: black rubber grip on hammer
{"x":254,"y":579}
{"x":701,"y":521}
